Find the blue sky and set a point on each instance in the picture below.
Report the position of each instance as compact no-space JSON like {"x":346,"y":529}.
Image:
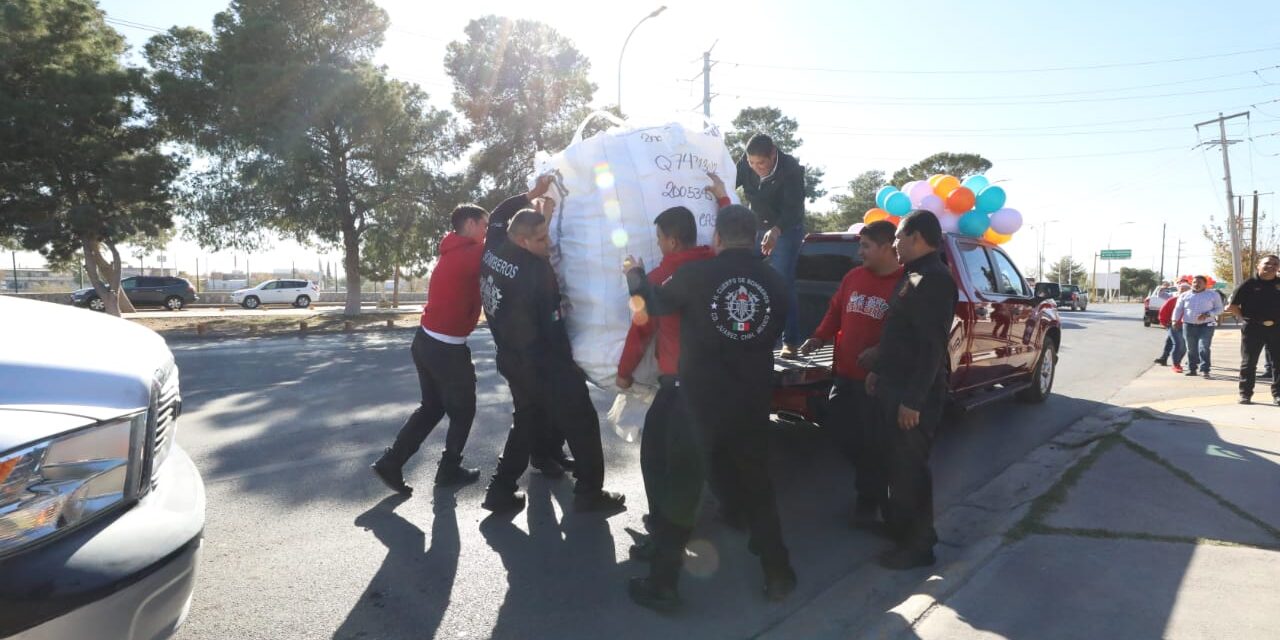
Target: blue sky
{"x":1086,"y":109}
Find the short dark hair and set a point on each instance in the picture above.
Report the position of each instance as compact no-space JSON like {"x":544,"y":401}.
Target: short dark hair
{"x":524,"y":223}
{"x":464,"y":212}
{"x":923,"y":222}
{"x":736,"y":226}
{"x":880,"y":232}
{"x":1203,"y":278}
{"x":677,"y":222}
{"x":760,"y":145}
{"x":1270,"y":256}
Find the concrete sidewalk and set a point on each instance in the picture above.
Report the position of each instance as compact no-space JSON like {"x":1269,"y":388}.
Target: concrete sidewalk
{"x":1168,"y":526}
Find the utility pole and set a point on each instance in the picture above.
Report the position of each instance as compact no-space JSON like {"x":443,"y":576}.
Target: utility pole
{"x":1177,"y":268}
{"x":14,"y":255}
{"x":1163,"y":228}
{"x":1094,"y":295}
{"x":706,"y":83}
{"x":1231,"y":204}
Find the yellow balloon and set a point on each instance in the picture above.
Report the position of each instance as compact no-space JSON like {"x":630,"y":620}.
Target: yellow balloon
{"x":933,"y":179}
{"x":945,"y":185}
{"x":997,"y":238}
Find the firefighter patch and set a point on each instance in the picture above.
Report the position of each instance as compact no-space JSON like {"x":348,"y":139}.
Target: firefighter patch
{"x":490,"y":295}
{"x":741,"y":309}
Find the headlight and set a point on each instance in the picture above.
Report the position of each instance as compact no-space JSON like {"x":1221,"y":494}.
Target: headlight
{"x":57,"y":484}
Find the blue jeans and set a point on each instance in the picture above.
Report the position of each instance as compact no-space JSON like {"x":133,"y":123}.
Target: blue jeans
{"x":1175,"y":344}
{"x":1199,"y":339}
{"x":786,"y":252}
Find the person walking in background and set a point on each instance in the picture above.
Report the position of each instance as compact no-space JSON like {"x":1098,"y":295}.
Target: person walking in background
{"x":1197,"y":314}
{"x":1174,"y":342}
{"x":773,"y":184}
{"x":1258,"y":302}
{"x":446,"y":374}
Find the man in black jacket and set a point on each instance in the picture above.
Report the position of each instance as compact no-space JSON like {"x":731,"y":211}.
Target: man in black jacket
{"x":521,"y":301}
{"x":909,"y":378}
{"x":730,"y":308}
{"x":773,"y":183}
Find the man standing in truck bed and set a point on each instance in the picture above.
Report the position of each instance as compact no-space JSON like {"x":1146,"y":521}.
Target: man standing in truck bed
{"x":854,"y":320}
{"x":909,"y":377}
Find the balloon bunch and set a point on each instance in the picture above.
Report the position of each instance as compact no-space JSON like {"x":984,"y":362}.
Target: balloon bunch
{"x":973,"y":207}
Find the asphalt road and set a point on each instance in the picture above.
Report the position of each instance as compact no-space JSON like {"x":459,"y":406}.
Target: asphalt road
{"x":302,"y":542}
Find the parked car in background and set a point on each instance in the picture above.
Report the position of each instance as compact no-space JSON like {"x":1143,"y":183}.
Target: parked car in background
{"x":143,"y":291}
{"x":101,"y":512}
{"x":299,"y":293}
{"x":1152,"y":303}
{"x":1072,"y":297}
{"x":1004,"y":339}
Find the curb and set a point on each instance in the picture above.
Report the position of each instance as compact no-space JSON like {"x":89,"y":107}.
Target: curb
{"x":977,"y":526}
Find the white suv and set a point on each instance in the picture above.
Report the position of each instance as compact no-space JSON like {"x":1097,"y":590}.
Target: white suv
{"x":299,"y":293}
{"x":101,"y":512}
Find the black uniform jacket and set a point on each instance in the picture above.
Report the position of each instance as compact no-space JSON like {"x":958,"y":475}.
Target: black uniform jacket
{"x":913,"y":347}
{"x":777,"y":200}
{"x":732,"y":309}
{"x":521,"y":302}
{"x":1259,"y":300}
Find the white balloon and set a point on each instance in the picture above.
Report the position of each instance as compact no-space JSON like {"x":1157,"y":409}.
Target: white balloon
{"x":920,"y":190}
{"x":949,"y":222}
{"x":1006,"y":221}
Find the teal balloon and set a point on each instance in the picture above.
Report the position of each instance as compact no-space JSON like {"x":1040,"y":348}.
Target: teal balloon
{"x":974,"y":224}
{"x":897,"y":203}
{"x":990,"y":199}
{"x":884,"y":193}
{"x":975,"y":183}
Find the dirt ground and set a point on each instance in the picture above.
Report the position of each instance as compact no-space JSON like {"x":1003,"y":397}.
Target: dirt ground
{"x":243,"y":326}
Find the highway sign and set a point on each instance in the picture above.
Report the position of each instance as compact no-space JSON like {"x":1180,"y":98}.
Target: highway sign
{"x":1116,"y":254}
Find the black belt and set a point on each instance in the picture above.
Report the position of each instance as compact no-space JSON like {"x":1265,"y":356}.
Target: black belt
{"x":669,"y":381}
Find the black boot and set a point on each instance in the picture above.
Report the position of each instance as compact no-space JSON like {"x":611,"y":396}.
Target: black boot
{"x":389,"y":472}
{"x":607,"y":501}
{"x":502,"y":498}
{"x":779,"y":583}
{"x":451,"y":471}
{"x":649,"y":594}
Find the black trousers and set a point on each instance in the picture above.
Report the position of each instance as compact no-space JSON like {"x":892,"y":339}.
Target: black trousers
{"x":910,"y":508}
{"x":555,"y":398}
{"x":447,"y":379}
{"x":671,"y":464}
{"x":1253,"y":339}
{"x":731,"y":424}
{"x":853,"y":422}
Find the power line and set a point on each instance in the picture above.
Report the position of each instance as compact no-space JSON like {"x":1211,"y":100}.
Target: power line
{"x":924,"y":102}
{"x":1112,"y":65}
{"x":133,"y":25}
{"x":948,"y":134}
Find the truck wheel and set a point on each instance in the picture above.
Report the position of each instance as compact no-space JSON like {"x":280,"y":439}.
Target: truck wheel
{"x":1041,"y":376}
{"x":1146,"y":320}
{"x":251,"y":302}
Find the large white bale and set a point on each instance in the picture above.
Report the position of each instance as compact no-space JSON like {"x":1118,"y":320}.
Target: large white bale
{"x":608,"y":190}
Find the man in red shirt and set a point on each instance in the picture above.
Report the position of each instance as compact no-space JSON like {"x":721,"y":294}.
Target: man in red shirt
{"x":854,"y":321}
{"x":1175,"y":343}
{"x":446,"y":375}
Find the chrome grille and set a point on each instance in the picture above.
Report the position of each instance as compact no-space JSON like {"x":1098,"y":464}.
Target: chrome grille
{"x":167,"y":407}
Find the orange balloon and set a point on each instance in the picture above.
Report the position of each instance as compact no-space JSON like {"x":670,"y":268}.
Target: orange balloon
{"x":875,"y":215}
{"x":997,"y":238}
{"x":960,"y":200}
{"x":894,"y":220}
{"x":933,"y":179}
{"x":945,"y":185}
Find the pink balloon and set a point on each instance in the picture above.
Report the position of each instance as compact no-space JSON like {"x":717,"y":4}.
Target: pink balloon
{"x":932,"y":203}
{"x":1006,"y":221}
{"x":919,"y":192}
{"x":950,"y":223}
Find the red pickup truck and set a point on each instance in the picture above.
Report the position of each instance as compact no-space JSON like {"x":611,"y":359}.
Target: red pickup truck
{"x":1004,"y":337}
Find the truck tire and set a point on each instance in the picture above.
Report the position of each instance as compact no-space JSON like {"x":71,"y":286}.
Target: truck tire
{"x":1146,"y":320}
{"x":1042,"y":375}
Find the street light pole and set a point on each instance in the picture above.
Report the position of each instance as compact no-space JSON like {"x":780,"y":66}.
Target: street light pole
{"x":624,"y":49}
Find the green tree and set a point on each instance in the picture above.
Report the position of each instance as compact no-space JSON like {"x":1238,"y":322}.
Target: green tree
{"x":82,"y":169}
{"x":523,"y":88}
{"x":1137,"y":282}
{"x":1067,"y":271}
{"x":1216,"y":234}
{"x":404,"y":236}
{"x":861,"y":196}
{"x":306,"y":136}
{"x":960,"y":165}
{"x":782,"y":130}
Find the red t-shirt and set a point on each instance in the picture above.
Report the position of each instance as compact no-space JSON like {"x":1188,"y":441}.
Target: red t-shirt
{"x":1166,"y":311}
{"x":453,"y":292}
{"x":855,"y":317}
{"x":668,"y":327}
